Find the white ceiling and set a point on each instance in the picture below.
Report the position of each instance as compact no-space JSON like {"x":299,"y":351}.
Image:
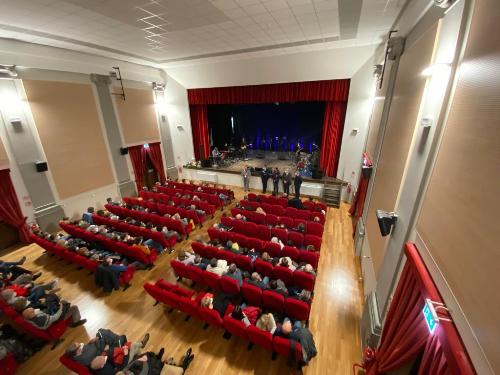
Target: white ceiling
{"x":176,"y":31}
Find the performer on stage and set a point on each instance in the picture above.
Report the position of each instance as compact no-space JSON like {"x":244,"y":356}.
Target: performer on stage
{"x":287,"y":181}
{"x":215,"y":154}
{"x":297,"y":181}
{"x":244,"y":148}
{"x":266,"y":173}
{"x":245,"y":173}
{"x":276,"y":180}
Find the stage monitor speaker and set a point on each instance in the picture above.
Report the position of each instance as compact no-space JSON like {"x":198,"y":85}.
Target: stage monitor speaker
{"x":367,"y":171}
{"x":41,"y":166}
{"x":207,"y":163}
{"x":123,"y":150}
{"x":317,"y":174}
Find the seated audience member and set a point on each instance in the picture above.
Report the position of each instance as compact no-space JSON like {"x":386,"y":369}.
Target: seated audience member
{"x":307,"y":268}
{"x":302,"y":295}
{"x":217,"y":266}
{"x":296,"y":203}
{"x":300,"y":228}
{"x":259,"y":210}
{"x":310,"y":248}
{"x":300,"y":334}
{"x":278,"y":241}
{"x":85,"y":353}
{"x":218,"y":303}
{"x":240,"y":217}
{"x":252,"y":254}
{"x":266,"y":322}
{"x":185,"y":257}
{"x":288,"y":263}
{"x":279,"y":287}
{"x":139,"y":244}
{"x":256,"y":280}
{"x":87,"y":216}
{"x":316,"y":219}
{"x":116,"y":357}
{"x":6,"y":267}
{"x":111,"y":202}
{"x":150,"y":243}
{"x":234,"y":273}
{"x":286,"y":328}
{"x":42,"y":320}
{"x":248,"y":314}
{"x":169,"y":233}
{"x":200,"y":262}
{"x":266,"y":257}
{"x":224,"y":198}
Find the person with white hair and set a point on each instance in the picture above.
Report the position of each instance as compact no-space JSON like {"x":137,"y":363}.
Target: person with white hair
{"x":245,"y":173}
{"x":287,"y":181}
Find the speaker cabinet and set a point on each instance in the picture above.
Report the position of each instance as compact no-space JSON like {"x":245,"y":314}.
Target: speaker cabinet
{"x":367,"y":171}
{"x":41,"y":166}
{"x":123,"y":150}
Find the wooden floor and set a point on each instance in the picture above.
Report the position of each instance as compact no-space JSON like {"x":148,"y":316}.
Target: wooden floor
{"x":334,"y":321}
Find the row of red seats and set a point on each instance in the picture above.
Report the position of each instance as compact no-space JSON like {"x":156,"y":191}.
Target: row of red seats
{"x":8,"y":364}
{"x":163,"y":209}
{"x":71,"y":256}
{"x":311,"y":227}
{"x":250,"y":229}
{"x":164,"y":198}
{"x":134,"y":230}
{"x":254,"y":295}
{"x":116,"y":246}
{"x":274,"y":249}
{"x":177,"y":298}
{"x":291,"y":212}
{"x":300,"y":279}
{"x":283,"y":202}
{"x":205,"y":189}
{"x":171,"y":224}
{"x":210,"y":198}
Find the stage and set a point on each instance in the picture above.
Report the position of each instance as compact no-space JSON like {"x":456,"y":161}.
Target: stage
{"x":230,"y":173}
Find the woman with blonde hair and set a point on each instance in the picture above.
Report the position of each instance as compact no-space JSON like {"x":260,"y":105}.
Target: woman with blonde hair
{"x":266,"y":322}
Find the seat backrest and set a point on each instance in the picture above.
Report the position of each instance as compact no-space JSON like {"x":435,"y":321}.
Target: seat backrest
{"x":313,"y":240}
{"x":315,"y":229}
{"x":311,"y":257}
{"x":263,"y":232}
{"x":243,"y":262}
{"x":210,"y":316}
{"x":260,"y":337}
{"x":292,"y":252}
{"x":296,"y":309}
{"x":255,"y":243}
{"x":273,"y":301}
{"x":286,"y":221}
{"x":271,"y":219}
{"x":252,"y":294}
{"x":229,"y":285}
{"x":211,"y":280}
{"x":74,"y":366}
{"x":274,"y":249}
{"x":263,"y":268}
{"x":285,"y":274}
{"x":235,"y":327}
{"x":179,"y":268}
{"x":282,"y":346}
{"x":296,"y":238}
{"x":282,"y":234}
{"x":194,"y":273}
{"x":304,"y":280}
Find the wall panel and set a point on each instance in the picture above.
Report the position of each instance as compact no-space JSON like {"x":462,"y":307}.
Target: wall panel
{"x":408,"y":91}
{"x":4,"y":159}
{"x":459,"y":217}
{"x":66,"y":118}
{"x":138,"y":116}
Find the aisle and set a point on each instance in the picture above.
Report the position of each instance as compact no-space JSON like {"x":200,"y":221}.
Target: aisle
{"x":334,"y":319}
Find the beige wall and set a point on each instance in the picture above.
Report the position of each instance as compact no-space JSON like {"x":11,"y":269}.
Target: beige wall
{"x":4,"y":159}
{"x":66,"y":118}
{"x":408,"y":90}
{"x":138,"y":116}
{"x":459,"y":220}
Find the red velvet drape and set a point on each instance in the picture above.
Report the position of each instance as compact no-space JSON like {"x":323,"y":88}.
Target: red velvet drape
{"x":154,"y":152}
{"x":334,"y":92}
{"x":317,"y":91}
{"x":405,"y":333}
{"x":10,"y":210}
{"x":138,"y":159}
{"x":199,"y":128}
{"x":333,"y":127}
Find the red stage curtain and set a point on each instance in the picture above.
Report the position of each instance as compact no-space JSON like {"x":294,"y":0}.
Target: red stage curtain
{"x":138,"y":159}
{"x":154,"y":152}
{"x":321,"y":91}
{"x":199,"y":128}
{"x":333,"y":127}
{"x":10,"y":210}
{"x":405,"y":333}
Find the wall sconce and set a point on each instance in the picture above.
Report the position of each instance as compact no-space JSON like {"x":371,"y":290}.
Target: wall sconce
{"x":386,"y":220}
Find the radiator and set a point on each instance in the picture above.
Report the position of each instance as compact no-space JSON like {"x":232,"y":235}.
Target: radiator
{"x":371,"y":327}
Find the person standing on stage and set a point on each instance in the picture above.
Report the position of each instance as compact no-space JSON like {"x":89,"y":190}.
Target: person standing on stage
{"x":245,"y":173}
{"x":265,"y":176}
{"x":297,"y":181}
{"x":287,"y":181}
{"x":276,"y":180}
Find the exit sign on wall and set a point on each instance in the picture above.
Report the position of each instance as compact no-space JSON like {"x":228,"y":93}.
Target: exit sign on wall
{"x":430,"y":316}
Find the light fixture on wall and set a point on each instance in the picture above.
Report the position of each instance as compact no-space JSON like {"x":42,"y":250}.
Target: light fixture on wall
{"x":145,"y":145}
{"x":8,"y":71}
{"x":443,"y":3}
{"x":116,"y":74}
{"x":386,"y":220}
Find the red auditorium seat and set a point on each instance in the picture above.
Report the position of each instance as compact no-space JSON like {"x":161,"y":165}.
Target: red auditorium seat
{"x":283,"y":346}
{"x":229,"y":285}
{"x":250,"y":229}
{"x":274,"y":249}
{"x":211,"y":280}
{"x":273,"y":301}
{"x":287,"y":221}
{"x":263,"y":268}
{"x":282,"y":234}
{"x":271,"y":219}
{"x":244,"y":263}
{"x":311,"y":257}
{"x":263,"y":232}
{"x":74,"y":366}
{"x":209,"y":316}
{"x":291,"y":212}
{"x":195,"y":274}
{"x":179,"y":269}
{"x":303,"y":214}
{"x":188,"y":307}
{"x":296,"y":238}
{"x":290,"y":251}
{"x":308,"y":205}
{"x":260,"y":337}
{"x":313,"y":240}
{"x":304,"y":280}
{"x":252,"y":197}
{"x":255,"y":243}
{"x":316,"y":229}
{"x":296,"y":223}
{"x":283,"y":202}
{"x":252,"y":294}
{"x":296,"y":309}
{"x":226,"y":255}
{"x":258,"y":218}
{"x":321,"y":206}
{"x":235,"y":327}
{"x":285,"y":274}
{"x":241,"y":239}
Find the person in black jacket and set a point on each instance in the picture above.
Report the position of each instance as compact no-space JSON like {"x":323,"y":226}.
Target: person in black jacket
{"x":287,"y":181}
{"x":297,"y":181}
{"x":276,"y":180}
{"x":266,"y":173}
